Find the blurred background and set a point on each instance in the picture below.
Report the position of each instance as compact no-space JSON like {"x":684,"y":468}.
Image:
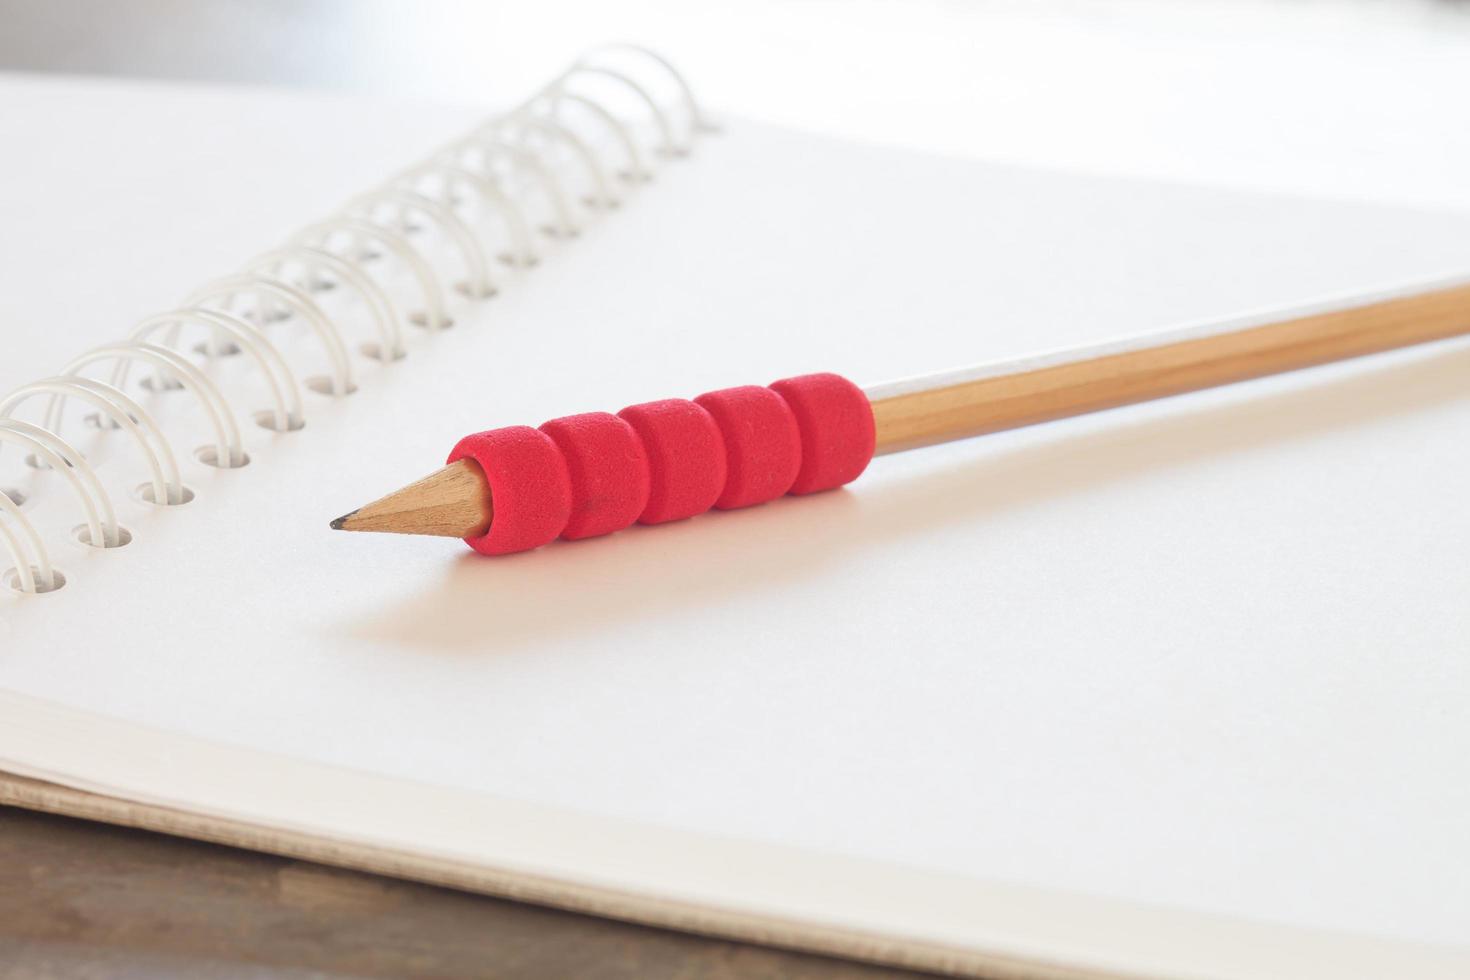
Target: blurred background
{"x":1361,"y":99}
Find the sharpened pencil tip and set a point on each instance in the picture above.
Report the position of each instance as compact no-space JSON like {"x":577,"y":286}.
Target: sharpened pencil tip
{"x":452,"y":502}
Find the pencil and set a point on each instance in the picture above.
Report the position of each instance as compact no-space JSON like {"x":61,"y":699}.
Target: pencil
{"x":458,"y":499}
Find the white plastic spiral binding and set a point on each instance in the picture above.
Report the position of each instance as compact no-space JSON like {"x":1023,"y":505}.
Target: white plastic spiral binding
{"x":503,"y":167}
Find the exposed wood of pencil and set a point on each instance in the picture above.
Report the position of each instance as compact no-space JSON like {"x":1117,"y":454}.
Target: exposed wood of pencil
{"x":453,"y":502}
{"x":1010,"y":401}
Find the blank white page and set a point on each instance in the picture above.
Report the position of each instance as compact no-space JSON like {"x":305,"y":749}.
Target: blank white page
{"x":1207,"y":653}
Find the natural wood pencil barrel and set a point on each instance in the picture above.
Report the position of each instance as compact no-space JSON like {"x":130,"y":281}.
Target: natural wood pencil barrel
{"x":457,"y":501}
{"x":935,"y":413}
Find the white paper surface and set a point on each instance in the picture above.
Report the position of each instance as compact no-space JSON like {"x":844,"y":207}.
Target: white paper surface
{"x":1207,"y":653}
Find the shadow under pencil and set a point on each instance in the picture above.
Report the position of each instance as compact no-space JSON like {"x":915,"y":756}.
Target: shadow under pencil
{"x":575,"y":589}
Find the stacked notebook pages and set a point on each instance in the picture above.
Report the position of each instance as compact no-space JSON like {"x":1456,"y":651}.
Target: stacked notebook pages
{"x":1168,"y":691}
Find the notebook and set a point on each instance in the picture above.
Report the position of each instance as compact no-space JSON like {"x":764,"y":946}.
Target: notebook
{"x":1170,"y":691}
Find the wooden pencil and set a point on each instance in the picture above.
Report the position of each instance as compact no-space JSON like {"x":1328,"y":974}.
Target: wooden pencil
{"x":456,"y":500}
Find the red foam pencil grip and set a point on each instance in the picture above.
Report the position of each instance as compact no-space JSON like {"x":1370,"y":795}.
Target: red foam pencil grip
{"x":607,"y":465}
{"x":762,"y":444}
{"x":529,"y":485}
{"x":586,"y":475}
{"x":686,"y":458}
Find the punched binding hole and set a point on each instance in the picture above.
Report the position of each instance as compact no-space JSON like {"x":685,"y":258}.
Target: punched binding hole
{"x":144,"y":492}
{"x":37,"y":463}
{"x":374,"y":350}
{"x":12,"y":581}
{"x":83,"y":533}
{"x":225,"y":348}
{"x":158,"y":383}
{"x":266,"y":419}
{"x":16,"y":497}
{"x":322,"y":385}
{"x":474,"y":292}
{"x":209,"y":456}
{"x":421,"y":319}
{"x":99,"y":421}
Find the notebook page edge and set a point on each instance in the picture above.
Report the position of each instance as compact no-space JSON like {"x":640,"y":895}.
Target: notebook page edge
{"x":765,"y":893}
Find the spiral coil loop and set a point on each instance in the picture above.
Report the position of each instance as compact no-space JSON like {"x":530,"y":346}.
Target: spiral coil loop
{"x":481,"y":200}
{"x":30,"y":576}
{"x":52,"y":451}
{"x":286,"y":413}
{"x":698,"y":121}
{"x":312,"y":261}
{"x":483,"y":151}
{"x":124,"y":412}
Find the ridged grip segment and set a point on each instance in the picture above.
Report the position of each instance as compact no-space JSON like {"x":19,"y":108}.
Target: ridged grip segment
{"x":592,"y":474}
{"x":608,"y":468}
{"x":835,"y":420}
{"x":762,"y":444}
{"x":530,"y":489}
{"x":686,"y":458}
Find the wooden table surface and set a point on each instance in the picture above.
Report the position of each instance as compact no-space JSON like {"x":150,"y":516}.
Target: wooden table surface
{"x":87,"y":900}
